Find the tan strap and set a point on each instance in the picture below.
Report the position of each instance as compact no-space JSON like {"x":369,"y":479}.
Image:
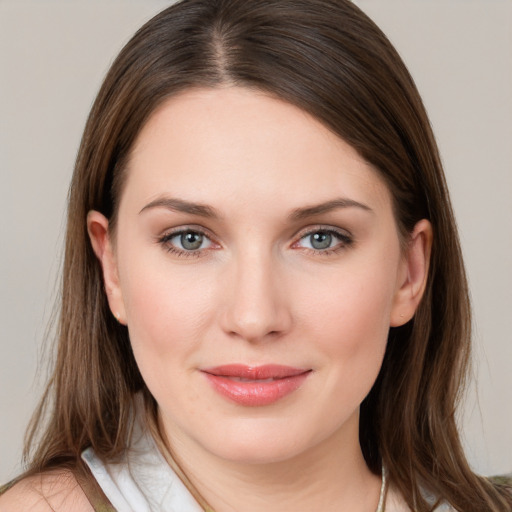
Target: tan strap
{"x":92,"y":490}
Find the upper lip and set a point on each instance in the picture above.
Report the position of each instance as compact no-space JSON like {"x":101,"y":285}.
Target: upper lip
{"x":267,"y":371}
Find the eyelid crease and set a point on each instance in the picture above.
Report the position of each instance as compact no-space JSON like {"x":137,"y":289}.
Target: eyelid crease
{"x":172,"y":232}
{"x":325,"y":228}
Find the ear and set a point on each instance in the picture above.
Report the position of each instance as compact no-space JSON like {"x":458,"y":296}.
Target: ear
{"x":413,"y":274}
{"x":97,"y":227}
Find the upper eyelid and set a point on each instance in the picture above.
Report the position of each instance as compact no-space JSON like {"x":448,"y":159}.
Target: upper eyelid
{"x":323,"y":227}
{"x":172,"y":232}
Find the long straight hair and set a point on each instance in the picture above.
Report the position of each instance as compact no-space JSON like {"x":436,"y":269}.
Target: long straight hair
{"x":332,"y":61}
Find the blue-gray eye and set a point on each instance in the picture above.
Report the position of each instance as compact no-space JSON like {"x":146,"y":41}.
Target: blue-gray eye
{"x":191,"y":240}
{"x":186,"y":241}
{"x":321,"y":240}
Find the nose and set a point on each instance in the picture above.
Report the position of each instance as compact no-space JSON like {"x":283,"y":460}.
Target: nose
{"x":256,"y":302}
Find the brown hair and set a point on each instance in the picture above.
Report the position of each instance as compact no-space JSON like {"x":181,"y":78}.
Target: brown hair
{"x":329,"y":59}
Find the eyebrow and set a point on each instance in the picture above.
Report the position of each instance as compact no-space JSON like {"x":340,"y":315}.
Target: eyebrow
{"x":328,"y":206}
{"x":203,"y":210}
{"x":180,"y":205}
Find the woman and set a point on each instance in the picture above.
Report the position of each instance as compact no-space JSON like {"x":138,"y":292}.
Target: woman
{"x":264,"y":303}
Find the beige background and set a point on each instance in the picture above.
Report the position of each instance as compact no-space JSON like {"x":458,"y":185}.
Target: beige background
{"x":53,"y":55}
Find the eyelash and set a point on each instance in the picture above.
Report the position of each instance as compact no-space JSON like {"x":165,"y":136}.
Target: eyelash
{"x":345,"y":240}
{"x":165,"y":241}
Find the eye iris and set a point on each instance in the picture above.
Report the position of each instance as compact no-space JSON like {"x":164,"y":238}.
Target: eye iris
{"x":191,"y":241}
{"x":321,"y":240}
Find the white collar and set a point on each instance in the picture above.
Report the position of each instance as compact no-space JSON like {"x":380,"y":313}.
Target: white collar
{"x":141,"y":481}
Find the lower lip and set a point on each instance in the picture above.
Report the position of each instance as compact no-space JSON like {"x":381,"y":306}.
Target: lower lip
{"x":255,"y":393}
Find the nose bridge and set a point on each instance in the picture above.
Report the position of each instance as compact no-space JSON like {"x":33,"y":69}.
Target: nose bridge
{"x":257,"y":306}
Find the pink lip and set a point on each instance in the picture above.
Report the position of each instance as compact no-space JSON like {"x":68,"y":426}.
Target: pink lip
{"x":255,"y":386}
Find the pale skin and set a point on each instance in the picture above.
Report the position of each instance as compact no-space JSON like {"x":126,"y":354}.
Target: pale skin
{"x":256,"y":184}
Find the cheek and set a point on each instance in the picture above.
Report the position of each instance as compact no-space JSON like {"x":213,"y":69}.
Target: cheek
{"x":167,"y":310}
{"x":349,"y":319}
{"x":353,"y":304}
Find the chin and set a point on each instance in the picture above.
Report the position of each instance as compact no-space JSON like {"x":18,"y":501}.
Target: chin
{"x":250,"y":443}
{"x":259,"y":454}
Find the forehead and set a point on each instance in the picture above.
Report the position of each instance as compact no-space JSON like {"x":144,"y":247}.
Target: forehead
{"x":215,"y":145}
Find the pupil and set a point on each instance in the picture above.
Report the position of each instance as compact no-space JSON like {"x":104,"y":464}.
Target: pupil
{"x":321,"y":240}
{"x":191,"y":241}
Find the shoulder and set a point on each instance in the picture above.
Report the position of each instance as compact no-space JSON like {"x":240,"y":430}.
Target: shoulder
{"x":52,"y":491}
{"x":504,"y":480}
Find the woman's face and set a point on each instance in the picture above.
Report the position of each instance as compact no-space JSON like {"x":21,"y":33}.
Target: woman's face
{"x":258,"y":268}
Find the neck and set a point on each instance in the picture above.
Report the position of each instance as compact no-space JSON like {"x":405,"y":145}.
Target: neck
{"x":330,"y":476}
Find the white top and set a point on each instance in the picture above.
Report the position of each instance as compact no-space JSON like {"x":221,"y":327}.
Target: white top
{"x":141,"y":480}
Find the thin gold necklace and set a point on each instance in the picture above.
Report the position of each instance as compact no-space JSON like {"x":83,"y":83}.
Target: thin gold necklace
{"x":383,"y":489}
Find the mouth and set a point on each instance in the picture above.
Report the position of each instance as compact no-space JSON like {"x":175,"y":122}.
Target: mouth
{"x":255,"y":385}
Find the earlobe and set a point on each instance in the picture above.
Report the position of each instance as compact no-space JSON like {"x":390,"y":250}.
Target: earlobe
{"x":97,"y":227}
{"x":414,"y":274}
